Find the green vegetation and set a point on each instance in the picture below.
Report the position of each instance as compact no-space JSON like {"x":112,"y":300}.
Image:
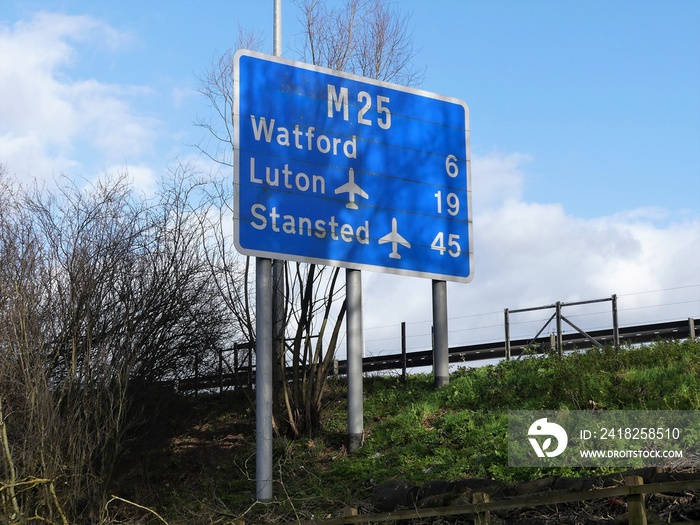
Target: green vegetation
{"x":461,"y":429}
{"x":201,"y":470}
{"x":205,"y":472}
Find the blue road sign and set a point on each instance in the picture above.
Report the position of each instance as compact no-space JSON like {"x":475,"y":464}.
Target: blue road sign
{"x":338,"y":169}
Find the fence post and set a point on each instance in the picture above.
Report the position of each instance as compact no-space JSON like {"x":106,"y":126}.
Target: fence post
{"x":196,"y":375}
{"x":237,"y":379}
{"x":483,"y":517}
{"x":349,"y":511}
{"x":403,"y":351}
{"x":221,"y":371}
{"x":616,"y":326}
{"x":250,"y":368}
{"x":559,"y":335}
{"x":507,"y":328}
{"x":635,"y":502}
{"x":691,"y":328}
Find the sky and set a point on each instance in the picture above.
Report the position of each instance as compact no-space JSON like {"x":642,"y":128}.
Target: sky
{"x":584,"y":132}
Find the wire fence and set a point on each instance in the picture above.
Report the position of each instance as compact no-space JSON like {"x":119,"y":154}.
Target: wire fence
{"x":649,"y":306}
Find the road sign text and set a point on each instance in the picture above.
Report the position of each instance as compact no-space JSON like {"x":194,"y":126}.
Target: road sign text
{"x":337,"y":169}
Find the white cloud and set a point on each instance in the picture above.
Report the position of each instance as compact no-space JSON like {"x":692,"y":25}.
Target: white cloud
{"x":497,"y":178}
{"x":51,"y":123}
{"x":180,"y":95}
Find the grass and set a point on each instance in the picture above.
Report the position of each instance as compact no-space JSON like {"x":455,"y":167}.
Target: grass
{"x":204,"y":471}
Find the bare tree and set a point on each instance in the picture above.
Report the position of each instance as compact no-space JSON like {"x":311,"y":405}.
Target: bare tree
{"x":217,"y":86}
{"x":63,"y":394}
{"x":366,"y":37}
{"x":103,"y":296}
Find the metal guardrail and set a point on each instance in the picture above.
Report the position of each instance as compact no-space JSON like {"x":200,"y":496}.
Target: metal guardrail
{"x":496,"y":350}
{"x":638,"y":334}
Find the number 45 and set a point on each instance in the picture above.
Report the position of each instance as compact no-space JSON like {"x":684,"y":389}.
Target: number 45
{"x":454,"y":249}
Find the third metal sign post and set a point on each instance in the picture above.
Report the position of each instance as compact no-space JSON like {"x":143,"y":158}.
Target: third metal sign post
{"x":337,"y":169}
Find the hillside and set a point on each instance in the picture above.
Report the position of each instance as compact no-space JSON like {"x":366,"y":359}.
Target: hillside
{"x":199,"y":465}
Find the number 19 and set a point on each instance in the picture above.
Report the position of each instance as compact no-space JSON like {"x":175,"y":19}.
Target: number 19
{"x":452,"y":201}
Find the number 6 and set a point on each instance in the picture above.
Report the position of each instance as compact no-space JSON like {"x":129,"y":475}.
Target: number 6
{"x":451,"y":166}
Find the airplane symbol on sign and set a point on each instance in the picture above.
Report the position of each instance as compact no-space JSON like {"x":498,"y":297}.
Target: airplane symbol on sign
{"x":351,"y":189}
{"x":395,"y":239}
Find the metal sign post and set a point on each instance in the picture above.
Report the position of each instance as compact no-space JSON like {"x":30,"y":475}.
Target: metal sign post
{"x":353,"y":281}
{"x":265,"y":325}
{"x":263,"y":379}
{"x":441,"y":356}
